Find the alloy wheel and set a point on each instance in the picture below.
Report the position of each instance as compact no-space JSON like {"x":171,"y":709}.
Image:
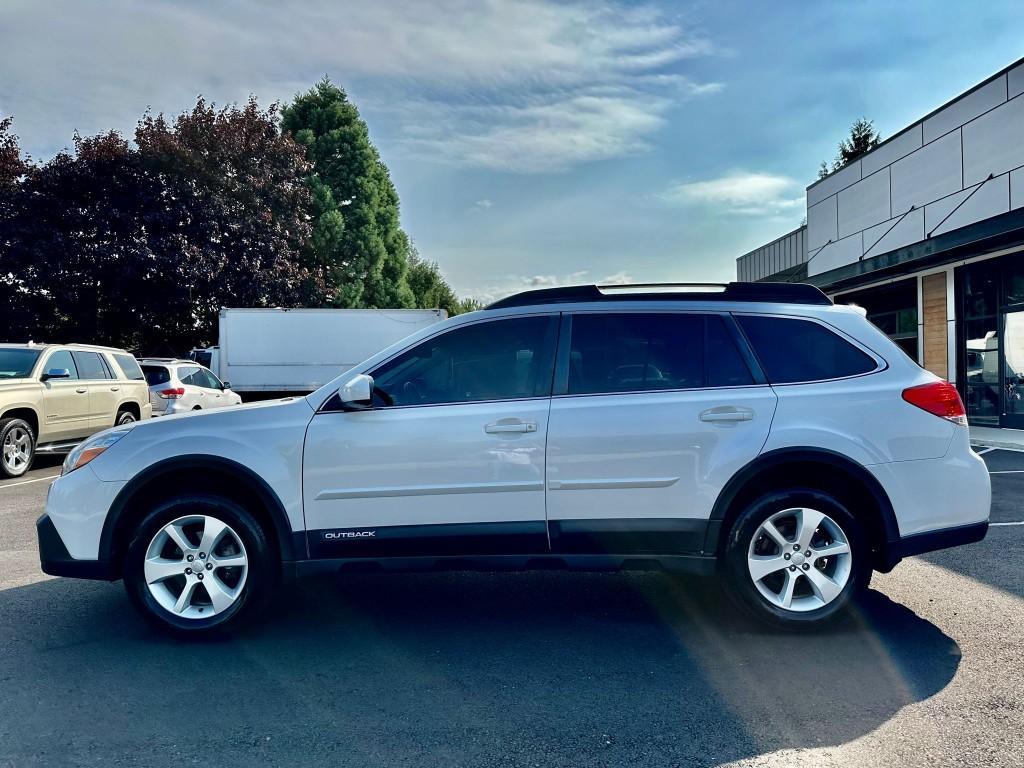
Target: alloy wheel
{"x":17,"y":450}
{"x":800,"y":559}
{"x":196,"y":567}
{"x":126,"y":418}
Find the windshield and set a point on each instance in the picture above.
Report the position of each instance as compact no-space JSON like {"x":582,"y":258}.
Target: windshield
{"x":17,"y":363}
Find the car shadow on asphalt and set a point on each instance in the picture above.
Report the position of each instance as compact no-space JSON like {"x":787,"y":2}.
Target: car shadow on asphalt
{"x":457,"y":669}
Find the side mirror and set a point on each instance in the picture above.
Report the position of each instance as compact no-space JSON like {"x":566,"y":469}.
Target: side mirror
{"x":56,"y":373}
{"x":356,"y":393}
{"x":225,"y":385}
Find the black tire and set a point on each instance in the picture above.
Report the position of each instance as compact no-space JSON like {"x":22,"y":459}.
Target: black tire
{"x":8,"y":428}
{"x":261,"y":577}
{"x":124,"y":416}
{"x":740,"y":586}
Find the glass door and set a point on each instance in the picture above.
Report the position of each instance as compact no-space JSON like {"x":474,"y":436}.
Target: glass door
{"x":1013,"y":369}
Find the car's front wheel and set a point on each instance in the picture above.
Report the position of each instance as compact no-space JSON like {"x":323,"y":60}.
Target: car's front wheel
{"x":197,"y":564}
{"x":796,"y":558}
{"x":18,"y":446}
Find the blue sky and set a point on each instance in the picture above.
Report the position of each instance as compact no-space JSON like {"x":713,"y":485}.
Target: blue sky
{"x":533,"y":142}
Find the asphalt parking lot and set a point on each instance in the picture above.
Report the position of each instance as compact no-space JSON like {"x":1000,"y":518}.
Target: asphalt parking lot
{"x":537,"y":669}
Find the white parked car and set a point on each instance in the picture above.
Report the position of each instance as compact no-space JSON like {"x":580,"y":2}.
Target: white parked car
{"x":180,"y":386}
{"x":754,"y":431}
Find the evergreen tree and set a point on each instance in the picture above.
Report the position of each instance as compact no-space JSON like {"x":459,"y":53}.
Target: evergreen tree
{"x":862,"y":139}
{"x":428,"y":286}
{"x":358,"y":246}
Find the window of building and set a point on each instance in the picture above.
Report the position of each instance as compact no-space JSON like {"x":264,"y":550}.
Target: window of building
{"x":991,"y":339}
{"x":893,"y":308}
{"x":792,"y":350}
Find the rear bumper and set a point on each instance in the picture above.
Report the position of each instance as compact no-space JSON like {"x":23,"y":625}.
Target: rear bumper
{"x":55,"y":560}
{"x":930,"y":541}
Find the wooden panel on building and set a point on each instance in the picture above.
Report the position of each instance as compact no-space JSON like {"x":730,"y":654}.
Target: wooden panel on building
{"x":934,"y":334}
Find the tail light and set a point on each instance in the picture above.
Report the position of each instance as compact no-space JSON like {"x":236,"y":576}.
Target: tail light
{"x":940,"y":398}
{"x":172,"y":394}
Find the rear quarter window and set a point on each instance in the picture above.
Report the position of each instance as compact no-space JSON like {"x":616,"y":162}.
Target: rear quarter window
{"x":129,"y":367}
{"x":791,"y":350}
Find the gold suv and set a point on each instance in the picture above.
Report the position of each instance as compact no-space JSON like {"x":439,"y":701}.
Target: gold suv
{"x":54,"y":395}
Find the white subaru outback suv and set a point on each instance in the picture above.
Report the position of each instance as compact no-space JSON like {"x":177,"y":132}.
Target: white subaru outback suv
{"x":754,"y":431}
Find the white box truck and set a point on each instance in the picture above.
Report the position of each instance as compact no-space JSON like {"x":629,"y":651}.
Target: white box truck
{"x":269,"y":351}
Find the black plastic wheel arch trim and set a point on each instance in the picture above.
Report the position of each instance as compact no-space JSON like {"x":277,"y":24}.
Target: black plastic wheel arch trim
{"x":889,"y":556}
{"x":287,"y":540}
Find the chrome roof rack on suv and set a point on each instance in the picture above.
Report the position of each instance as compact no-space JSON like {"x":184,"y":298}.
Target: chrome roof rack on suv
{"x":784,"y":293}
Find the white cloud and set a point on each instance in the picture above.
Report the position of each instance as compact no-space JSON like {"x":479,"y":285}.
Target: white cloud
{"x":524,"y":85}
{"x":542,"y":132}
{"x":741,"y":192}
{"x":483,"y":205}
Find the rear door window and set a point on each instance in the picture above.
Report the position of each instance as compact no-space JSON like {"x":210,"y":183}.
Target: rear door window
{"x":645,"y":352}
{"x":792,"y":350}
{"x":726,"y":366}
{"x":616,"y":352}
{"x":90,"y":366}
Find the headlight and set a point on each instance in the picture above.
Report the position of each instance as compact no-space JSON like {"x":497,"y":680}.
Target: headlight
{"x":89,"y":449}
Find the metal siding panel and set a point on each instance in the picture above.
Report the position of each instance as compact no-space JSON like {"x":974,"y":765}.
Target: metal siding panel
{"x":926,"y":175}
{"x":965,"y":109}
{"x":992,"y":143}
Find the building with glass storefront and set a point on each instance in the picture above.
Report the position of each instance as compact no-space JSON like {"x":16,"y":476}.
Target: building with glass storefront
{"x":926,"y":232}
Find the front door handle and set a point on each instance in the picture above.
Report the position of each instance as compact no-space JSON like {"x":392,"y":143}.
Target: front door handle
{"x":503,"y":427}
{"x":81,"y":390}
{"x":726,"y":414}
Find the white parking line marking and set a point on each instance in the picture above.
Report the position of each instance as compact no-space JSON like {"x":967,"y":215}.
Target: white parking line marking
{"x":1005,"y":471}
{"x":26,"y":482}
{"x":1018,"y":522}
{"x":983,"y":451}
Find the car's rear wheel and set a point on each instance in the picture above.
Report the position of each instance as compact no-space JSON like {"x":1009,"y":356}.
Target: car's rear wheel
{"x":796,"y":558}
{"x":17,"y":447}
{"x":124,"y":417}
{"x":198,"y":564}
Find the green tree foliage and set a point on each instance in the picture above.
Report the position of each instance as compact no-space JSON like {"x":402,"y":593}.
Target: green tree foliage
{"x":140,"y":246}
{"x":12,"y":167}
{"x":358,"y":246}
{"x":862,"y":139}
{"x":428,"y":286}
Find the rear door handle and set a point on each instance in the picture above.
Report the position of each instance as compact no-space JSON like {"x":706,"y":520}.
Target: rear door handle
{"x":114,"y":389}
{"x":726,"y":414}
{"x":499,"y":427}
{"x":81,"y":390}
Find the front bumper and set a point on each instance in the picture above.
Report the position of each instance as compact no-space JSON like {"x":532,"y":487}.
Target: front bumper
{"x":56,"y":561}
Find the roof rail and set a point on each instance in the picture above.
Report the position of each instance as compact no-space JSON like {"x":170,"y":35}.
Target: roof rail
{"x":784,"y":293}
